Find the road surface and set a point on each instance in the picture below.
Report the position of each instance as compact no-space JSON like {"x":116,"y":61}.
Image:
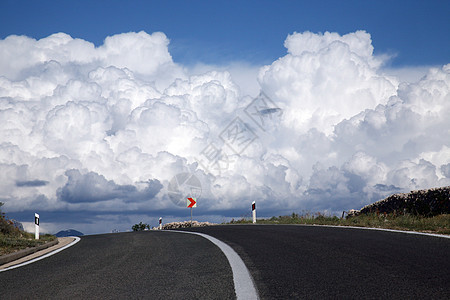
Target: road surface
{"x":314,"y":262}
{"x":286,"y":262}
{"x":135,"y":265}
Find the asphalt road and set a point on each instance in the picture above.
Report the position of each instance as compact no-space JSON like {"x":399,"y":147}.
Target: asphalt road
{"x":138,"y":265}
{"x":286,"y":262}
{"x":312,"y":262}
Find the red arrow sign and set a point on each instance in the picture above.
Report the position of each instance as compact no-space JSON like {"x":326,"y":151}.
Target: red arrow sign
{"x":191,"y":202}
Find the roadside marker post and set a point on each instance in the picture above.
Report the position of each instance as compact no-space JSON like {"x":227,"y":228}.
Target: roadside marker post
{"x":160,"y":223}
{"x":36,"y":226}
{"x":254,"y":212}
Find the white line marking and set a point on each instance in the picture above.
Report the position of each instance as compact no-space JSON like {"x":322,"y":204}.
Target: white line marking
{"x":243,"y":281}
{"x":77,"y":239}
{"x":374,"y":228}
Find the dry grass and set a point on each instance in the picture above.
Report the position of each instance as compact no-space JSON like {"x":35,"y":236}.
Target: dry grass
{"x":12,"y":239}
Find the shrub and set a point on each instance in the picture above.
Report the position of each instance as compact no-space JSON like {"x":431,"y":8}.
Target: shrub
{"x":140,"y":227}
{"x":7,"y":226}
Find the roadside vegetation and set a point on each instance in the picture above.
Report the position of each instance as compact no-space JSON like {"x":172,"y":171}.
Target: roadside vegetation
{"x":13,"y":239}
{"x":438,"y":224}
{"x":140,"y":227}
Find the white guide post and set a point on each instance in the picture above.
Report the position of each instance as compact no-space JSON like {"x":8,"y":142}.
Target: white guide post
{"x":36,"y":226}
{"x":254,"y":212}
{"x":160,"y":223}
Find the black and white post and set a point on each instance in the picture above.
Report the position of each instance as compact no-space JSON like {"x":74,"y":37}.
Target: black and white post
{"x":160,"y":223}
{"x":36,"y":226}
{"x":254,"y":212}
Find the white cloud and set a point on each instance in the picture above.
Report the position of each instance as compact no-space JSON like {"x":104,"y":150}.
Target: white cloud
{"x":325,"y":79}
{"x":146,"y":55}
{"x":104,"y":129}
{"x":243,"y":74}
{"x":359,"y":43}
{"x":407,"y":74}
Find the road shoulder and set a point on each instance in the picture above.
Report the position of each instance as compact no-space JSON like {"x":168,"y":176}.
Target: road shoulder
{"x":32,"y":254}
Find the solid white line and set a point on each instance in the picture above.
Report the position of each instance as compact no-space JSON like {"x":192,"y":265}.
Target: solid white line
{"x":77,"y":239}
{"x":243,"y":282}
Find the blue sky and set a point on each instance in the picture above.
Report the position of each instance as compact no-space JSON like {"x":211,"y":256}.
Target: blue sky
{"x":217,"y":32}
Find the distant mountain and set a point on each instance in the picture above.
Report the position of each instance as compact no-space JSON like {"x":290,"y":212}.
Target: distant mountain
{"x":70,"y":232}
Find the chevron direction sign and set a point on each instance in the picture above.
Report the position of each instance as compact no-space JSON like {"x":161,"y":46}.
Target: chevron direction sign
{"x":191,"y":202}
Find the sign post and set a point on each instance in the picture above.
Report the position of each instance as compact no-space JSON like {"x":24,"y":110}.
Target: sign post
{"x":254,"y":212}
{"x":160,"y":223}
{"x":190,"y":203}
{"x":36,"y":226}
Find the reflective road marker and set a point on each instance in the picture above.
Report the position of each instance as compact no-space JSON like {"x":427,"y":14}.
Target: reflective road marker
{"x":254,"y":212}
{"x":36,"y":226}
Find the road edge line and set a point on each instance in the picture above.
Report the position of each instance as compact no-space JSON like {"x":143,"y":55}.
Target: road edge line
{"x":375,"y":228}
{"x":77,"y":239}
{"x":244,"y":285}
{"x":445,"y":236}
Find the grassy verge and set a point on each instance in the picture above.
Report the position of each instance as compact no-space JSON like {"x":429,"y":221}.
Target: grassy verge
{"x":9,"y":244}
{"x":439,"y":224}
{"x":12,"y":239}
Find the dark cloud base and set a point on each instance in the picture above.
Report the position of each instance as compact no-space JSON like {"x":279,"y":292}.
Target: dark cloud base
{"x":31,"y":183}
{"x":93,"y":187}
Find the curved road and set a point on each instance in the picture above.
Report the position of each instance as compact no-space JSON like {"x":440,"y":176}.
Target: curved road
{"x":134,"y":265}
{"x":286,"y":262}
{"x":315,"y":262}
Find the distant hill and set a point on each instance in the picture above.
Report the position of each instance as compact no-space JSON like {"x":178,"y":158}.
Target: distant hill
{"x":70,"y":232}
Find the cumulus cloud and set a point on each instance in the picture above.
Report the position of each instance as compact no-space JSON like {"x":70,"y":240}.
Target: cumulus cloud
{"x":146,"y":55}
{"x":326,"y":78}
{"x":104,"y":130}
